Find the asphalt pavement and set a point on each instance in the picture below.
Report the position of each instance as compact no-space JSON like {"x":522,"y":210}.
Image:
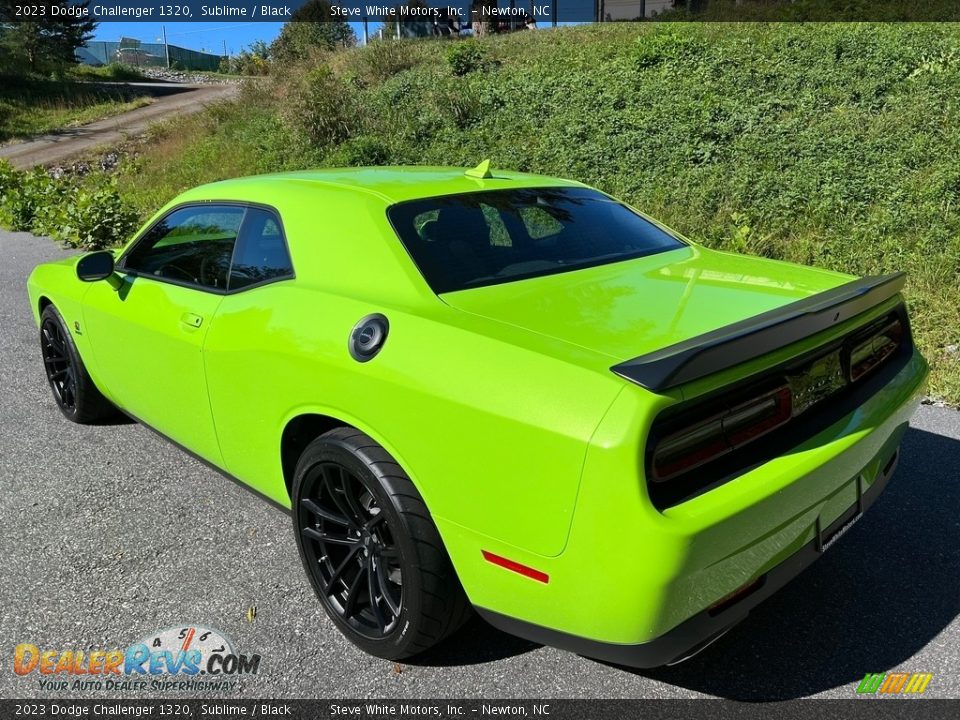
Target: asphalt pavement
{"x":109,"y":534}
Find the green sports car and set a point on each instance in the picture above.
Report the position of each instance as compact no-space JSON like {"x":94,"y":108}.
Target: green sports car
{"x":496,"y":391}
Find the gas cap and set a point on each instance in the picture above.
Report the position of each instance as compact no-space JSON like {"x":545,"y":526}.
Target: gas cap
{"x":368,"y":336}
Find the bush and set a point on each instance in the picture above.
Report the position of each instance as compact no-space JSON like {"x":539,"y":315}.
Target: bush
{"x":466,"y":57}
{"x":23,"y":195}
{"x":89,"y":214}
{"x":322,"y":107}
{"x":360,"y":151}
{"x":382,"y":60}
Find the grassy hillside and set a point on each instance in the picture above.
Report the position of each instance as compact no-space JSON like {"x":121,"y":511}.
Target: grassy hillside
{"x":834,"y":145}
{"x":32,"y":106}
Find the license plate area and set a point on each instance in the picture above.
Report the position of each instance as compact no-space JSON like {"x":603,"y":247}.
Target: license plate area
{"x":827,"y":536}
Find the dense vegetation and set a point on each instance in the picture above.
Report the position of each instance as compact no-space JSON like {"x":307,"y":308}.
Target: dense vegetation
{"x":833,"y":145}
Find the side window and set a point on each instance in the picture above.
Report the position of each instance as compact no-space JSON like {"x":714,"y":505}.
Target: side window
{"x":192,"y":245}
{"x":261,"y":252}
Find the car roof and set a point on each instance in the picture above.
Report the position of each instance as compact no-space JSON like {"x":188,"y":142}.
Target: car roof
{"x":391,"y":184}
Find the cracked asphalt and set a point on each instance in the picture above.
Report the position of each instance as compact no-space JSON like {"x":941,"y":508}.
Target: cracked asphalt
{"x":109,"y":533}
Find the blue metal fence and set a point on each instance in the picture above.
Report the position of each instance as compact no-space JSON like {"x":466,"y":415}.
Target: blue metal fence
{"x":146,"y":55}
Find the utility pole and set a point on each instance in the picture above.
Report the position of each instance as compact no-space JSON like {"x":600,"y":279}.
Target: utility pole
{"x":224,"y":47}
{"x":366,"y":36}
{"x":166,"y":48}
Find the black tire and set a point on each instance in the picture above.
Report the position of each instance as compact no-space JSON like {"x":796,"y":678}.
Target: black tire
{"x":73,"y":390}
{"x":370,"y":549}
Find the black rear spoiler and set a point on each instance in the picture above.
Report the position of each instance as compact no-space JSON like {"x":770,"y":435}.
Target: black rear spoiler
{"x":748,"y":339}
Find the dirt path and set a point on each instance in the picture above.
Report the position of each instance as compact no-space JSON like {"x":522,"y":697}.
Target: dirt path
{"x":66,"y":144}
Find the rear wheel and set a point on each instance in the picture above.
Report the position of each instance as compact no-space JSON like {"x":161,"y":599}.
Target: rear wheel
{"x":73,"y":390}
{"x":370,"y":549}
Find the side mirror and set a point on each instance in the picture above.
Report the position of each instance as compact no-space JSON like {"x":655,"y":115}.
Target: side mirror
{"x":95,"y":266}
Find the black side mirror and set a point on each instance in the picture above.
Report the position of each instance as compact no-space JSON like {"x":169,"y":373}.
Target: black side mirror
{"x":95,"y":266}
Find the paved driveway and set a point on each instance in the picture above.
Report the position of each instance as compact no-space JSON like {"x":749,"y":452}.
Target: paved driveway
{"x":171,"y":99}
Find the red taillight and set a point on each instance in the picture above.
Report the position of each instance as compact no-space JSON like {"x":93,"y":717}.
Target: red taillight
{"x":875,"y":350}
{"x":698,"y":444}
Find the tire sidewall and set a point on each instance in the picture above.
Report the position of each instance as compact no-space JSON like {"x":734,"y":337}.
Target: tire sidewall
{"x":51,"y":313}
{"x":336,"y":450}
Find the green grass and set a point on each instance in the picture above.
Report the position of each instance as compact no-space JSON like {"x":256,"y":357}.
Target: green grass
{"x":114,"y":72}
{"x":33,"y":107}
{"x":830,"y":145}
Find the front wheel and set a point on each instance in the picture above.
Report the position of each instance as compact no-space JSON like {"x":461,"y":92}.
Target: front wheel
{"x":73,"y":390}
{"x":370,"y":549}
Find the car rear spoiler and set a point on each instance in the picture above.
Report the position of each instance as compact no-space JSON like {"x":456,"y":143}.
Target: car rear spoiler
{"x":748,"y":339}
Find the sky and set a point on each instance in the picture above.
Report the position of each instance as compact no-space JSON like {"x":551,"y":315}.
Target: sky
{"x":205,"y":36}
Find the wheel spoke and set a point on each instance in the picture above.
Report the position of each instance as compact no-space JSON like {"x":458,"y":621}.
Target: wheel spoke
{"x":353,"y":593}
{"x":372,"y":590}
{"x":385,"y":590}
{"x":338,"y":573}
{"x":320,"y":512}
{"x":355,"y":510}
{"x":323,"y":537}
{"x":338,"y":492}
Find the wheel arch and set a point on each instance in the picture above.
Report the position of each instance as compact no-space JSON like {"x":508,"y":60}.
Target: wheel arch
{"x":307,"y":424}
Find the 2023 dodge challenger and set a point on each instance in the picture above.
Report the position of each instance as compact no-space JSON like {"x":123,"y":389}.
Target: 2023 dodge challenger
{"x":499,"y":391}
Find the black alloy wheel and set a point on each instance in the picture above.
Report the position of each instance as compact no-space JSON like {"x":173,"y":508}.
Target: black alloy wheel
{"x":348,"y":540}
{"x":57,"y":362}
{"x":370,"y":548}
{"x":74,"y":391}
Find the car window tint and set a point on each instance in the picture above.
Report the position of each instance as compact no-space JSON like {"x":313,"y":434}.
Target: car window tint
{"x":261,"y":252}
{"x":488,"y":237}
{"x":192,"y":245}
{"x":539,"y":223}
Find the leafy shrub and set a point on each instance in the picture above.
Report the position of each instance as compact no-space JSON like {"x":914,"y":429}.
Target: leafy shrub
{"x":23,"y":194}
{"x":88,"y":214}
{"x":360,"y":151}
{"x":467,"y":56}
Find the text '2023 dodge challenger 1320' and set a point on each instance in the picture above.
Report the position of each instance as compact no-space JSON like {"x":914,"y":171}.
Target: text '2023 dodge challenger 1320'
{"x":497,"y":391}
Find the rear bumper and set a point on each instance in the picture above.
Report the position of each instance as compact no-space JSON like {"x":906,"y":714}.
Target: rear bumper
{"x":699,"y":631}
{"x":636,"y":585}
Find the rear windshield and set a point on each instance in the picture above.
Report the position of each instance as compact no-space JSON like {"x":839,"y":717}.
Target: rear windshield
{"x":484,"y":238}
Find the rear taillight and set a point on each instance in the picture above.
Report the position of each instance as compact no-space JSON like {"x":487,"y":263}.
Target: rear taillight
{"x":868,"y":354}
{"x":702,"y":442}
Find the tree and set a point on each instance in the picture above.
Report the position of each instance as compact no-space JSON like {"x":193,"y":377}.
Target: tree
{"x":47,"y":44}
{"x":311,"y":26}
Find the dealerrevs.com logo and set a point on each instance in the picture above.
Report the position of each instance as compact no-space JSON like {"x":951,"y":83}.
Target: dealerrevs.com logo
{"x":180,"y":658}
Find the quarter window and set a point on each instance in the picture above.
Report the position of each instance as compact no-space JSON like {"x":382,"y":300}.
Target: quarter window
{"x":261,"y":252}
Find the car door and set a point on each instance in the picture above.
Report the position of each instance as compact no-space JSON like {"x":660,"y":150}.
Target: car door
{"x":147,"y":334}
